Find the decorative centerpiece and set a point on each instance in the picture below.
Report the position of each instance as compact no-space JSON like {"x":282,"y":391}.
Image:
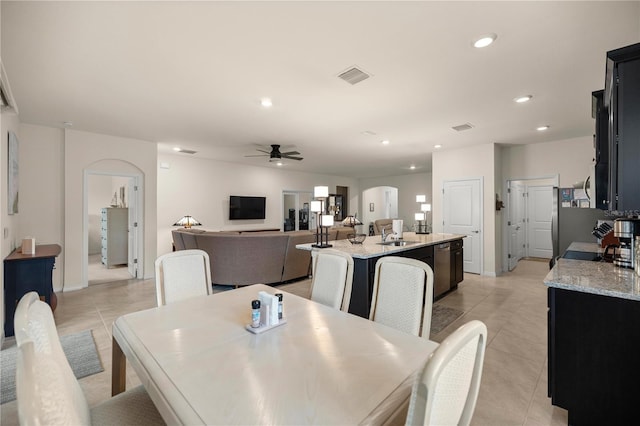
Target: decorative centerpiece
{"x":356,"y":238}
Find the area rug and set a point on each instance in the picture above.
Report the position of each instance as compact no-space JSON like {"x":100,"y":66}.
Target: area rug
{"x":442,"y":316}
{"x":79,"y":348}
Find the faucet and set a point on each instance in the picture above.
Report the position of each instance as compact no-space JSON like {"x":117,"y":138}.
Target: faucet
{"x":386,"y":233}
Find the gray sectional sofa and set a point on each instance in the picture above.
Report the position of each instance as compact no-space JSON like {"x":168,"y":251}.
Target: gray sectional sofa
{"x":245,"y":258}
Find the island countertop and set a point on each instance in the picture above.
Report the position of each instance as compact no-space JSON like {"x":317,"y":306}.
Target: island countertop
{"x":371,"y":247}
{"x":600,"y":278}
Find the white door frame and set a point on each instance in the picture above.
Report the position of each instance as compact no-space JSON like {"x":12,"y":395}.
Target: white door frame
{"x":135,"y":202}
{"x":552,"y":180}
{"x":480,"y":231}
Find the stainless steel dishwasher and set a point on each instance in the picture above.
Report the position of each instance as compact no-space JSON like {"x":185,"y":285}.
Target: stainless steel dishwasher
{"x":442,"y":269}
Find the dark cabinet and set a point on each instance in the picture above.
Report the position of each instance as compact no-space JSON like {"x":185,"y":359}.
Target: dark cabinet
{"x":364,"y":272}
{"x":28,"y":272}
{"x":457,"y":271}
{"x":622,"y":98}
{"x":593,"y":346}
{"x":600,"y":113}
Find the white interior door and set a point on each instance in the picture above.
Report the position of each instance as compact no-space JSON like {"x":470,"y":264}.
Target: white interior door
{"x":539,"y":207}
{"x":462,"y":214}
{"x":516,"y":223}
{"x":132,"y":261}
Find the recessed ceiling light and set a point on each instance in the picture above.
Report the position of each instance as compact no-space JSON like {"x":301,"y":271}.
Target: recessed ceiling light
{"x":437,"y":146}
{"x":412,"y":167}
{"x":177,"y":148}
{"x":279,"y":163}
{"x":523,"y":99}
{"x":485,"y":40}
{"x":266,"y":102}
{"x":542,"y":128}
{"x":385,"y":142}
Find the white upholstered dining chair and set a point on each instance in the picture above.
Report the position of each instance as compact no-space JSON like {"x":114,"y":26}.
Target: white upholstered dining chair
{"x":403,"y":295}
{"x":446,"y":390}
{"x":48,"y":391}
{"x":332,"y":279}
{"x":182,"y":274}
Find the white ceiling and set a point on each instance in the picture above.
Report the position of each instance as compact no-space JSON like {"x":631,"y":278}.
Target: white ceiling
{"x":192,"y":74}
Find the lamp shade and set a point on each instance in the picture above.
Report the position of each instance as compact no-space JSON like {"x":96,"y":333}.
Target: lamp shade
{"x":320,"y":191}
{"x":351,"y":221}
{"x":419,"y":216}
{"x":425,"y":207}
{"x":187,"y":221}
{"x":421,"y":198}
{"x":326,"y":220}
{"x":316,"y":206}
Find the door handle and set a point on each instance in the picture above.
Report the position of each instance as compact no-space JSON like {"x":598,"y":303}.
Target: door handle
{"x":476,"y":232}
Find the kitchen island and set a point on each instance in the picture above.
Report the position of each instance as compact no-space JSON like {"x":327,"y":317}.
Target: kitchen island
{"x":418,"y":246}
{"x":594,"y":340}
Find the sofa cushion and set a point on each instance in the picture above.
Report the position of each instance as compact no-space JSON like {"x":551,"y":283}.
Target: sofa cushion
{"x":244,"y":259}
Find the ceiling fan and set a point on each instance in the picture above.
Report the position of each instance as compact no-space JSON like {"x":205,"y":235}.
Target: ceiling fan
{"x":276,"y":155}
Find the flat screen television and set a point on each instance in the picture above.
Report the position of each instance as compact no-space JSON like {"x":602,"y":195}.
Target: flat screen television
{"x":241,"y":207}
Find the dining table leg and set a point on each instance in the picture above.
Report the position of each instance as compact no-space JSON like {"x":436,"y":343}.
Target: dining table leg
{"x":118,"y":369}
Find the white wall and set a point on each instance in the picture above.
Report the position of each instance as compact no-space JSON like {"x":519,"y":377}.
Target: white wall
{"x":82,"y":151}
{"x":471,"y":162}
{"x":408,"y":186}
{"x":201,"y":188}
{"x":41,"y":190}
{"x":570,"y":158}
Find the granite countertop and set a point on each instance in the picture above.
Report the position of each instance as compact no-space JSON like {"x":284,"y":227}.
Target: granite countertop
{"x":370,"y":247}
{"x":601,"y":278}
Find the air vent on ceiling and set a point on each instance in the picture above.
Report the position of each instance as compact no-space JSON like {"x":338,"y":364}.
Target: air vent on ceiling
{"x":461,"y":127}
{"x":187,"y":151}
{"x":354,"y":75}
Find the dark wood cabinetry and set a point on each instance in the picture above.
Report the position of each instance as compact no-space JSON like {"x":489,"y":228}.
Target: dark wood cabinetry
{"x":622,"y":98}
{"x":594,"y":342}
{"x":364,"y":273}
{"x":28,"y":272}
{"x":457,"y":258}
{"x":601,"y":145}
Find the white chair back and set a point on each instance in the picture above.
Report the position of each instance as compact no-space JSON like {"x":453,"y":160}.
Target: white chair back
{"x":33,"y":321}
{"x":332,"y":279}
{"x":182,"y":274}
{"x":446,"y":391}
{"x":46,"y":387}
{"x":403,"y":295}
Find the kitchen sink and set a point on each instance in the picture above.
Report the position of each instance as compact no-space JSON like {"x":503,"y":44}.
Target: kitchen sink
{"x":397,"y":243}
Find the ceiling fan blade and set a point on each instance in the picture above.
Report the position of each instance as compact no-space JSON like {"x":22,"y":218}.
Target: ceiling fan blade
{"x":262,"y":150}
{"x":291,"y":158}
{"x":290,"y":153}
{"x":257,"y":155}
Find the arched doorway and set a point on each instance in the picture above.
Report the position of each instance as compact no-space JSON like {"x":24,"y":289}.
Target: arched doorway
{"x":112,"y":248}
{"x":380,"y":202}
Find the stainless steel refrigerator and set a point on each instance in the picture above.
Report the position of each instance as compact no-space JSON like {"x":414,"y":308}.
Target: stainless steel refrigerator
{"x":569,"y":224}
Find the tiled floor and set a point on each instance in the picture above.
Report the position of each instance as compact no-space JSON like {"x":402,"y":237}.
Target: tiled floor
{"x":513,"y":306}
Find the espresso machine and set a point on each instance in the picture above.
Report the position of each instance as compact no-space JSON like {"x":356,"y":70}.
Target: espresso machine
{"x":626,"y":230}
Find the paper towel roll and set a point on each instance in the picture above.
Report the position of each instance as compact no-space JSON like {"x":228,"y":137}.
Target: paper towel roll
{"x":397,"y":228}
{"x":28,"y":245}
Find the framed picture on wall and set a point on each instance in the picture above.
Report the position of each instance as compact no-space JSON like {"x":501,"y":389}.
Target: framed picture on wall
{"x":12,"y":174}
{"x":371,"y":207}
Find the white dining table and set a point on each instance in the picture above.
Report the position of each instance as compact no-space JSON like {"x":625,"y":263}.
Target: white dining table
{"x":200,"y":365}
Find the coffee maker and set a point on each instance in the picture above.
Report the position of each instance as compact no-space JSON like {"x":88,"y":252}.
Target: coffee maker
{"x":626,"y":230}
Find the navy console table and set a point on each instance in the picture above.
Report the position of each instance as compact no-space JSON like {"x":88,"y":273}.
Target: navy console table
{"x":28,"y":272}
